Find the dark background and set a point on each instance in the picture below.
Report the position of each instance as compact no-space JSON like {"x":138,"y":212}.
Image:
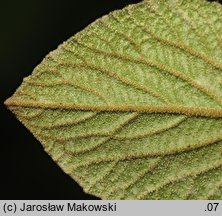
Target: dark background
{"x":29,"y":30}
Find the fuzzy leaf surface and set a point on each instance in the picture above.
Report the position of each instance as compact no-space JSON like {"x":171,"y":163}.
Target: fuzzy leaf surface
{"x":131,"y":107}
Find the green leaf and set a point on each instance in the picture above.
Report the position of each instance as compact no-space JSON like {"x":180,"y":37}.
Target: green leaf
{"x":131,"y":107}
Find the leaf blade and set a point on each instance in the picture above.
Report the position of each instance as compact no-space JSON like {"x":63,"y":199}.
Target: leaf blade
{"x":142,"y":100}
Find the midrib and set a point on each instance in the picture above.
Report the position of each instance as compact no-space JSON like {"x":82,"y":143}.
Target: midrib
{"x":177,"y":109}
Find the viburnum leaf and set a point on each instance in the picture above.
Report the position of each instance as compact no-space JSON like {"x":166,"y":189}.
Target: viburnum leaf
{"x":131,"y":107}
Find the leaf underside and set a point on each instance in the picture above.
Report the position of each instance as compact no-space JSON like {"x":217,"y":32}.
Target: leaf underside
{"x":131,"y":107}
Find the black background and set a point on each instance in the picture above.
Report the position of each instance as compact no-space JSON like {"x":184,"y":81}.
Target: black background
{"x":29,"y":30}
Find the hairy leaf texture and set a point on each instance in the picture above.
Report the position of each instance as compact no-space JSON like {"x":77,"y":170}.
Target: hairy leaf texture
{"x":131,"y":107}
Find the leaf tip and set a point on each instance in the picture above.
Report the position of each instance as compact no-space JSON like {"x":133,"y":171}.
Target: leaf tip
{"x":7,"y":102}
